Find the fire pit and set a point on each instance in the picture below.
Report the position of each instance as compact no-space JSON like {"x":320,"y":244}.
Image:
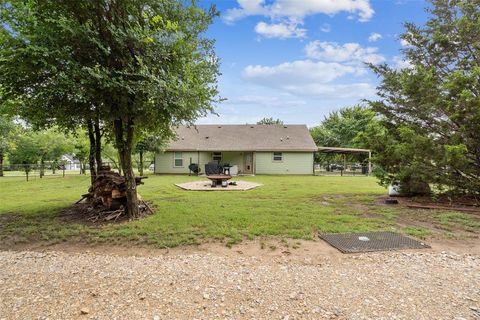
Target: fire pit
{"x":219,"y":180}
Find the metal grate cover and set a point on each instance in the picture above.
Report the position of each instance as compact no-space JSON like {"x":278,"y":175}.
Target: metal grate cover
{"x":371,"y":241}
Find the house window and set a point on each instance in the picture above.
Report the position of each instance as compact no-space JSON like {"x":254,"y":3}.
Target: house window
{"x":177,"y":159}
{"x":277,"y":157}
{"x":217,"y":156}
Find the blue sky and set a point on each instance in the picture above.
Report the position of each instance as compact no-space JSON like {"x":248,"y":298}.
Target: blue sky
{"x":298,"y":60}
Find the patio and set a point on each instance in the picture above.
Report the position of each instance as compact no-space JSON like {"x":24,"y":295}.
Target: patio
{"x":207,"y":186}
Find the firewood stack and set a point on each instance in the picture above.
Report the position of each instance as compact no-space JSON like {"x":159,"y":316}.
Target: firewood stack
{"x":109,"y":189}
{"x":106,"y":199}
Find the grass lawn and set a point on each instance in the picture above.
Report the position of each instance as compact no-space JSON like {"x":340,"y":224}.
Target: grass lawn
{"x":285,"y":206}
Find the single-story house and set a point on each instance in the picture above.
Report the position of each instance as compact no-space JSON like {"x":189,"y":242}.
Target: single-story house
{"x":254,"y":149}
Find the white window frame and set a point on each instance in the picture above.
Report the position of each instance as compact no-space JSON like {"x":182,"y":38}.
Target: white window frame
{"x":277,"y":160}
{"x":175,"y":158}
{"x":216,"y":154}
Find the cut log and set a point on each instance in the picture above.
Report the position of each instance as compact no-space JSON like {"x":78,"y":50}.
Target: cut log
{"x":106,"y":197}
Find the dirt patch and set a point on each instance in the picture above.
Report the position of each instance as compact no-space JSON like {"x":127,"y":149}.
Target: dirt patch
{"x":6,"y":218}
{"x":85,"y":213}
{"x":311,"y":251}
{"x":425,"y":201}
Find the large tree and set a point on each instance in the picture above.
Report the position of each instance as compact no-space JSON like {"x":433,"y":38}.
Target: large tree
{"x":341,"y":128}
{"x":430,"y":131}
{"x":133,"y":65}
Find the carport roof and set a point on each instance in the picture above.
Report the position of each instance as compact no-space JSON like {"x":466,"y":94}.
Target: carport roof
{"x":342,"y":150}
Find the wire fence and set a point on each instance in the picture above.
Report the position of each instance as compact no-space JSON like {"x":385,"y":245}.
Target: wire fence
{"x":346,"y":169}
{"x":50,"y":169}
{"x":37,"y":170}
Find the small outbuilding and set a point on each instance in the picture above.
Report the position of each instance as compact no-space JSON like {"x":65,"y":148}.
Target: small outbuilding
{"x":250,"y":149}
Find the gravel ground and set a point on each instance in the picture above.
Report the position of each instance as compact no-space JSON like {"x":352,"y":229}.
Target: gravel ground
{"x":401,"y":285}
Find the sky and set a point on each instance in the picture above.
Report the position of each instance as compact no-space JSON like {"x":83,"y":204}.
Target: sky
{"x":299,"y":60}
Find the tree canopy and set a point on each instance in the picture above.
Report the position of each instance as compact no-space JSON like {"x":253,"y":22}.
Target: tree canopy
{"x":137,"y":66}
{"x":430,"y":112}
{"x":270,"y":121}
{"x":341,"y":128}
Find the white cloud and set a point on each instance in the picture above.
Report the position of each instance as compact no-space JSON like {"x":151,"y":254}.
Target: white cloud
{"x":265,"y":101}
{"x":351,"y":53}
{"x":296,"y":10}
{"x":310,"y":78}
{"x":360,"y":90}
{"x":401,"y":63}
{"x":297,"y":72}
{"x":374,"y":36}
{"x":246,"y":8}
{"x":404,"y":43}
{"x":325,"y":27}
{"x":280,"y":30}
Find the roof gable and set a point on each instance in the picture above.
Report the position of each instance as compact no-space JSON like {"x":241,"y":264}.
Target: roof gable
{"x":242,"y":138}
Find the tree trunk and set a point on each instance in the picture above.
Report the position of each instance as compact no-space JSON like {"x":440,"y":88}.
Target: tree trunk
{"x":120,"y":163}
{"x":42,"y":167}
{"x":1,"y":164}
{"x":91,"y":153}
{"x":125,"y":146}
{"x":140,"y":169}
{"x":98,"y":144}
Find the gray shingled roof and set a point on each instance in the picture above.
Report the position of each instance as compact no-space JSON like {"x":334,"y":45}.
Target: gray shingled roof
{"x":243,"y":138}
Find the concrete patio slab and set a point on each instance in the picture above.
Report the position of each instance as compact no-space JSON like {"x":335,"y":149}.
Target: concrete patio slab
{"x":207,"y":186}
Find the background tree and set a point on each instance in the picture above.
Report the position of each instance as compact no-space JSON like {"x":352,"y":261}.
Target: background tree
{"x":430,"y":112}
{"x":26,"y":152}
{"x":342,"y":129}
{"x":111,"y":154}
{"x":81,"y":152}
{"x":270,"y":121}
{"x":133,"y":65}
{"x":6,"y":129}
{"x":150,"y":144}
{"x":51,"y":145}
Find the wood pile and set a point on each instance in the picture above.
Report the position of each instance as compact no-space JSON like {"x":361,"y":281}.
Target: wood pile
{"x":110,"y":188}
{"x":106,"y":199}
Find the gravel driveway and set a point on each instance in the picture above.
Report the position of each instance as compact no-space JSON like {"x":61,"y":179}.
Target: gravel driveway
{"x":401,"y":285}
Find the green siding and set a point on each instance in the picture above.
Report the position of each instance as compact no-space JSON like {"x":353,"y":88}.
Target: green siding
{"x":233,"y":158}
{"x":292,"y":163}
{"x":164,"y":161}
